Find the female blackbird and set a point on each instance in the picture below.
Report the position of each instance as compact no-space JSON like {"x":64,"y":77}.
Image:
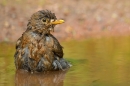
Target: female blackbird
{"x":37,"y":49}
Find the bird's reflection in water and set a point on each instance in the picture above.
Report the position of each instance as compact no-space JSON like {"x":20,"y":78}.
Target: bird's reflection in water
{"x":54,"y":78}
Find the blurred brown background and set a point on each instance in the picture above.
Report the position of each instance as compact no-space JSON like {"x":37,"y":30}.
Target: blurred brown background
{"x":84,"y":18}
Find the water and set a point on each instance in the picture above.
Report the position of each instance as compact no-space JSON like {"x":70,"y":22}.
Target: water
{"x":96,"y":62}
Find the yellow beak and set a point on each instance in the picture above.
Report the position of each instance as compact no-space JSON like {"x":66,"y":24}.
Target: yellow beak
{"x":57,"y":22}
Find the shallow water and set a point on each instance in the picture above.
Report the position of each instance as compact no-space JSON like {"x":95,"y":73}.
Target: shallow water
{"x":96,"y":62}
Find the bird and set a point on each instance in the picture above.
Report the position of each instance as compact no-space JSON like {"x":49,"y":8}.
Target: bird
{"x":37,"y":50}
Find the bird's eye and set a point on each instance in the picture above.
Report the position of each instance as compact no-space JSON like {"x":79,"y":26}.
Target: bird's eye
{"x":44,"y":20}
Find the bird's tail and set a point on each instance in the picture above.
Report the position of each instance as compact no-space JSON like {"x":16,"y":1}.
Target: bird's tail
{"x":61,"y":64}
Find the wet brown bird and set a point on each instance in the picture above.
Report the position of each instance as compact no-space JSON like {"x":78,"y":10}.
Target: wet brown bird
{"x":37,"y":49}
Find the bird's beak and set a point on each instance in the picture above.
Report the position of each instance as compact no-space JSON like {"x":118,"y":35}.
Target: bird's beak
{"x":57,"y":22}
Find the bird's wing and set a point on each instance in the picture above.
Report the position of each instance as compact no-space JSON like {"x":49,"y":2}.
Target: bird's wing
{"x":57,"y":48}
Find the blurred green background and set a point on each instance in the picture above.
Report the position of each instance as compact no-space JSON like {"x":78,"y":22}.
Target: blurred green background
{"x":95,"y":37}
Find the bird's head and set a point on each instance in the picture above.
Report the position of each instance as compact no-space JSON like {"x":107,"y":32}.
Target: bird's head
{"x":43,"y":20}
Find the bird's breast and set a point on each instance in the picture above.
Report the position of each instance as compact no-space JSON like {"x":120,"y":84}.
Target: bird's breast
{"x":49,"y":42}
